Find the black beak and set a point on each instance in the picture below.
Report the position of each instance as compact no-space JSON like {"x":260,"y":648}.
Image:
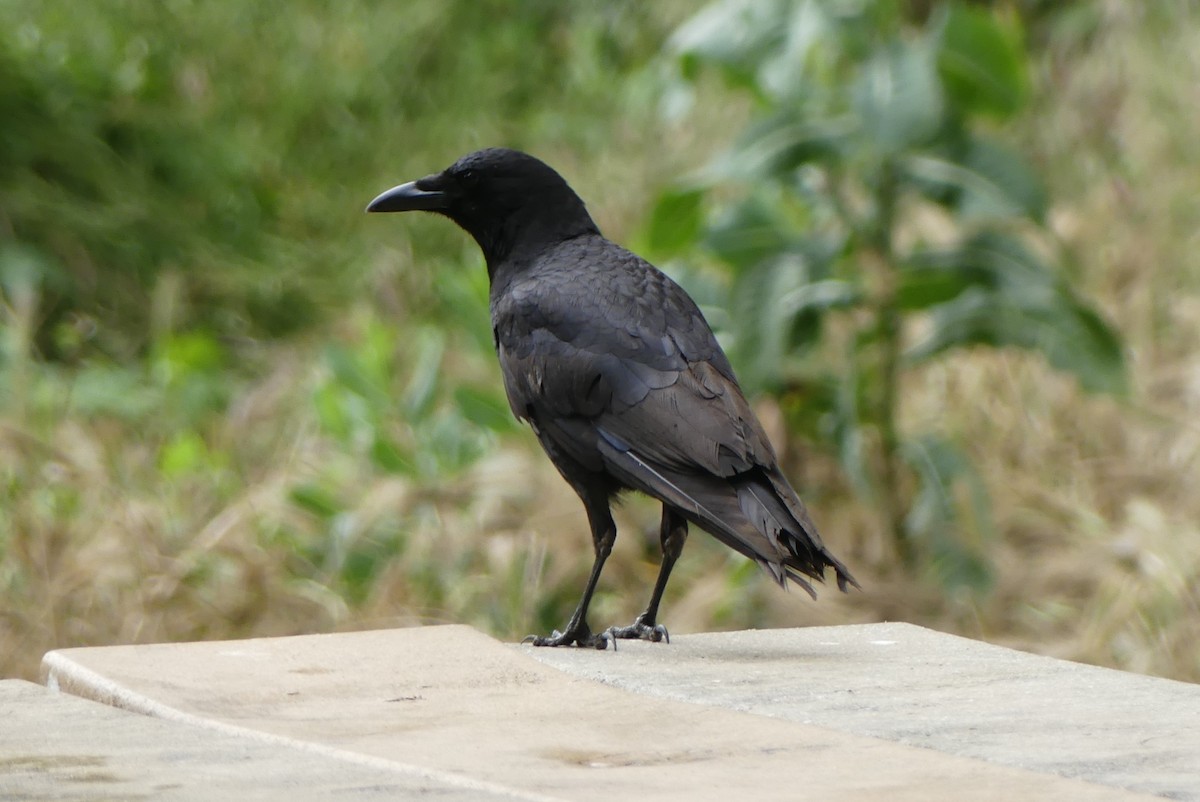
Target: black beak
{"x":411,"y":197}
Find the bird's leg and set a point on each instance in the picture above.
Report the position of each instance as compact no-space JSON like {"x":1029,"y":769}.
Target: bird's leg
{"x":577,"y":631}
{"x":646,"y":627}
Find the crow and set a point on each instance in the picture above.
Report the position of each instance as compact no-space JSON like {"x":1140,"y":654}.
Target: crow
{"x":617,"y":372}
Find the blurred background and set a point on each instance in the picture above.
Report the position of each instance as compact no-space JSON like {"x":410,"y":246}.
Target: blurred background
{"x":952,"y":250}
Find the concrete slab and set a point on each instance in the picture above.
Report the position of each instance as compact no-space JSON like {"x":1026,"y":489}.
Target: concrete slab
{"x":454,"y":701}
{"x":915,"y":686}
{"x":59,"y":747}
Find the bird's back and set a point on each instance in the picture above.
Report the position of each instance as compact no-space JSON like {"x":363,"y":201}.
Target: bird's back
{"x":618,"y":372}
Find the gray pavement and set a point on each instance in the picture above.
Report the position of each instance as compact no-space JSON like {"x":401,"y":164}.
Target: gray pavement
{"x":457,"y":712}
{"x":914,"y":686}
{"x":59,"y":747}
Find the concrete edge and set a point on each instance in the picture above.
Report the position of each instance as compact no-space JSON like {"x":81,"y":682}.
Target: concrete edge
{"x":62,"y":675}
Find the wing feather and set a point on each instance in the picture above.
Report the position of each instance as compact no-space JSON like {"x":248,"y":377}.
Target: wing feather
{"x":637,"y":387}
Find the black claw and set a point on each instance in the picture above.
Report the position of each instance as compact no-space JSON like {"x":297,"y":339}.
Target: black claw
{"x":581,"y":637}
{"x":640,"y":631}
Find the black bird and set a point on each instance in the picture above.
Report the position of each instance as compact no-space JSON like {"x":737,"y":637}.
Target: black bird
{"x":619,"y":375}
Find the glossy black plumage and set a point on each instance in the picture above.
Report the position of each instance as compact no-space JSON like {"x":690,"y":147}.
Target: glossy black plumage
{"x":620,"y":376}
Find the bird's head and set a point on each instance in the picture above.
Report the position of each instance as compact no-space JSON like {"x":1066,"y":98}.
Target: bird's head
{"x":507,"y":200}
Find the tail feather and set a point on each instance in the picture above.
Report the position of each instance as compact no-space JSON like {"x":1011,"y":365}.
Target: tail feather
{"x":773,"y":508}
{"x":754,"y":513}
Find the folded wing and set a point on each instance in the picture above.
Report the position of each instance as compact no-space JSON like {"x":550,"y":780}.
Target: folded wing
{"x":657,"y":407}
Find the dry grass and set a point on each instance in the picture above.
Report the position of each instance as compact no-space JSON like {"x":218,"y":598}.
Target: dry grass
{"x":1095,"y":500}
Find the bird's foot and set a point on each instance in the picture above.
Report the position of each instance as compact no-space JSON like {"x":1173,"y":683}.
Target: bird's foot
{"x":640,"y":630}
{"x":574,"y":636}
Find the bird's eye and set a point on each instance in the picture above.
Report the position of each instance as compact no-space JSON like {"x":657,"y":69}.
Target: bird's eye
{"x":469,"y":177}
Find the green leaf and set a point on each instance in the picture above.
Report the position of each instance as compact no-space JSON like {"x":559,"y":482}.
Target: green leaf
{"x":1016,"y":189}
{"x":485,"y":408}
{"x":985,"y":180}
{"x":981,"y":63}
{"x":820,"y":296}
{"x":777,"y":308}
{"x":331,"y":412}
{"x":675,"y":221}
{"x":734,"y":34}
{"x":463,"y":298}
{"x":898,"y":96}
{"x":430,"y":345}
{"x":997,"y":259}
{"x":183,"y":454}
{"x":317,"y":500}
{"x":928,"y":285}
{"x":933,"y":520}
{"x":1008,"y":297}
{"x":989,"y":261}
{"x":182,"y":356}
{"x":763,"y":322}
{"x":359,"y":570}
{"x":752,"y":230}
{"x":786,"y":73}
{"x":389,"y":456}
{"x":1038,"y":314}
{"x":349,"y":372}
{"x":772,"y":148}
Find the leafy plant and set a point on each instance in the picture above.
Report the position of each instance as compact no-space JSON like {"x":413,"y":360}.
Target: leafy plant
{"x":872,"y":212}
{"x":151,"y":159}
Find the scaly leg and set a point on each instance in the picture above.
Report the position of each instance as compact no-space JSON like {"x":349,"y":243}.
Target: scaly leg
{"x":604,"y":534}
{"x":673,"y":535}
